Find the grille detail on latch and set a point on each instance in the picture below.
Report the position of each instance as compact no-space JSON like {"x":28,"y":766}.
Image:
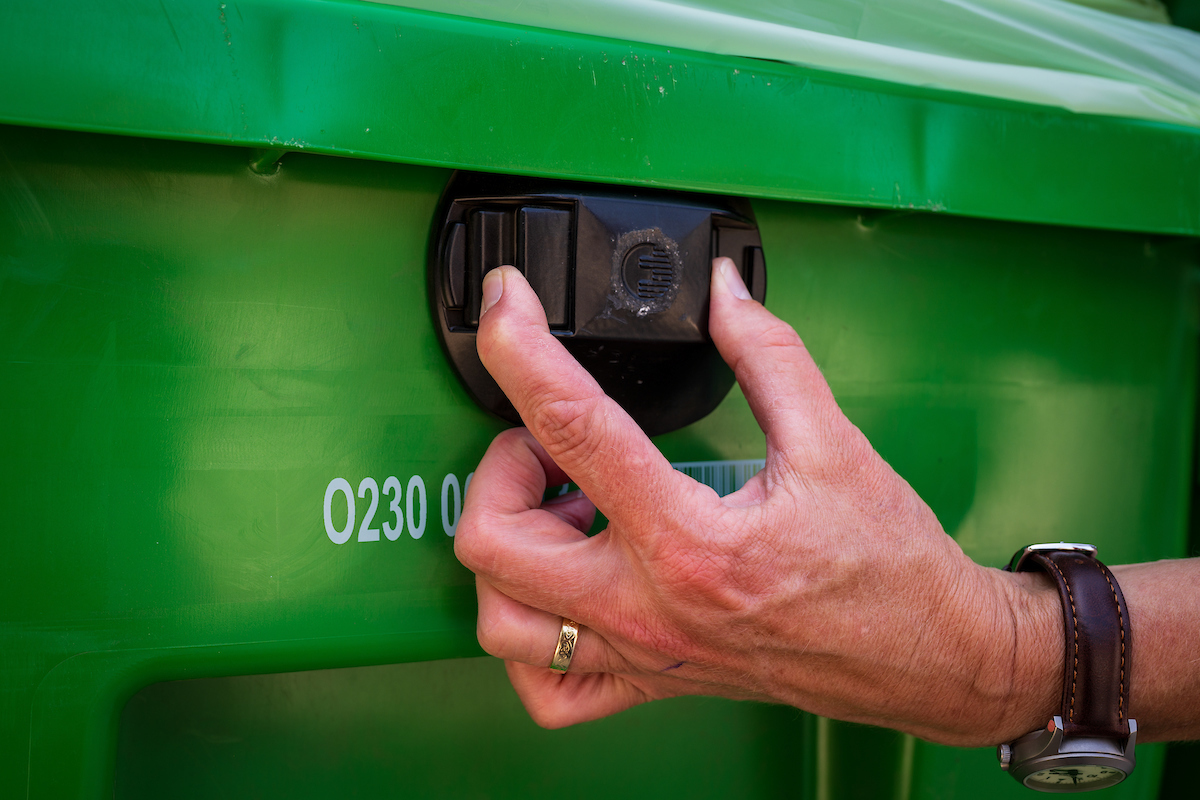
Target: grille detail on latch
{"x":649,"y":271}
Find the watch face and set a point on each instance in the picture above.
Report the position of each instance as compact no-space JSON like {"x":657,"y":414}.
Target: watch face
{"x":1081,"y":777}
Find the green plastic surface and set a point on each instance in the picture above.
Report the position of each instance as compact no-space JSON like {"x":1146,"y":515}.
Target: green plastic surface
{"x":378,"y":82}
{"x":191,"y":351}
{"x":442,"y":729}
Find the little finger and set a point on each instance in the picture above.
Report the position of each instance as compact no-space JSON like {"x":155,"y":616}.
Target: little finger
{"x":554,"y":700}
{"x":517,"y":632}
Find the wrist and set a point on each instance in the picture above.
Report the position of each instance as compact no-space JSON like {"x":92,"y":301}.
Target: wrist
{"x":1000,"y":669}
{"x":1028,"y":660}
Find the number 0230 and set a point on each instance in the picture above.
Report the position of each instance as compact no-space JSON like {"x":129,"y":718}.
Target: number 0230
{"x":407,"y":507}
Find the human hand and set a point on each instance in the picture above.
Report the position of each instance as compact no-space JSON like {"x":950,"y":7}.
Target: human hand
{"x":825,"y":582}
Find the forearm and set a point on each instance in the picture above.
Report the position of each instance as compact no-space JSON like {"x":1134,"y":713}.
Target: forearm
{"x":1164,"y":609}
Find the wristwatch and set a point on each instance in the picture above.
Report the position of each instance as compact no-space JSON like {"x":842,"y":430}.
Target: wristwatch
{"x":1089,"y":745}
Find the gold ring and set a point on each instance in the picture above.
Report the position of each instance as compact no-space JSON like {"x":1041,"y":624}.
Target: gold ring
{"x":567,"y":638}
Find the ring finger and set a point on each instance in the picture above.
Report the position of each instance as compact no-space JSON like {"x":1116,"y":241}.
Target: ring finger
{"x":517,"y":632}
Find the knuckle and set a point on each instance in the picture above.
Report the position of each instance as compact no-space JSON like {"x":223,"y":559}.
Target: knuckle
{"x":570,"y":428}
{"x":477,"y":540}
{"x":487,"y":631}
{"x":474,"y":544}
{"x":776,"y":341}
{"x":779,"y":335}
{"x":510,"y":439}
{"x":496,"y":334}
{"x":465,"y":540}
{"x":499,"y":627}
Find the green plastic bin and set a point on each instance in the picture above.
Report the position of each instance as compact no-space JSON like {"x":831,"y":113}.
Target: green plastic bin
{"x":213,"y":230}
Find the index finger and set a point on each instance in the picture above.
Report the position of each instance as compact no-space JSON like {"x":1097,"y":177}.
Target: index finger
{"x":586,"y":433}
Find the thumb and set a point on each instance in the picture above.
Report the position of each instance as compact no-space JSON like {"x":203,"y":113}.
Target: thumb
{"x":785,"y":389}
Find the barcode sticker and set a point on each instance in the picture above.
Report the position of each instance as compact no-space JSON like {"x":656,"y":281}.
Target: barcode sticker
{"x":724,"y":477}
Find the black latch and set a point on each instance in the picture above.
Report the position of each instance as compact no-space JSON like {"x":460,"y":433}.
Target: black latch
{"x":623,"y":275}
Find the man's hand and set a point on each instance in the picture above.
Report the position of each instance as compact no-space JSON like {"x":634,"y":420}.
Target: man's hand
{"x":825,"y":582}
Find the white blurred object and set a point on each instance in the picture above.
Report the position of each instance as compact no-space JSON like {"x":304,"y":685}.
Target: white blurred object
{"x":1114,"y":61}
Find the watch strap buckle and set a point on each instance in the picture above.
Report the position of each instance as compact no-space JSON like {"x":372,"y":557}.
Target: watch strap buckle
{"x":1021,"y":557}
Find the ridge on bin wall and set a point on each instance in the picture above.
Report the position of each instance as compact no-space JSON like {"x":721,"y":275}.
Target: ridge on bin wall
{"x":374,"y":81}
{"x":1050,"y":52}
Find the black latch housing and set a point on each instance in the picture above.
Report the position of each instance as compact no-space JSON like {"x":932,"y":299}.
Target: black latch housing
{"x":622,"y":273}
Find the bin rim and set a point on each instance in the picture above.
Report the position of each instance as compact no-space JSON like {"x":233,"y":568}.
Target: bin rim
{"x":374,"y":81}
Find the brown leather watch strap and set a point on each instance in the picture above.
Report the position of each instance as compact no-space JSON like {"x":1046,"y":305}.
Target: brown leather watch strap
{"x":1095,"y":697}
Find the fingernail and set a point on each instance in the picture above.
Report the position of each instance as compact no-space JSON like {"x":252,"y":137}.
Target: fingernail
{"x":733,"y":279}
{"x":493,"y":287}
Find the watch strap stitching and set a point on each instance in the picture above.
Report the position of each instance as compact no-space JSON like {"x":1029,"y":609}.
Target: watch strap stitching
{"x":1074,"y":639}
{"x":1121,"y":612}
